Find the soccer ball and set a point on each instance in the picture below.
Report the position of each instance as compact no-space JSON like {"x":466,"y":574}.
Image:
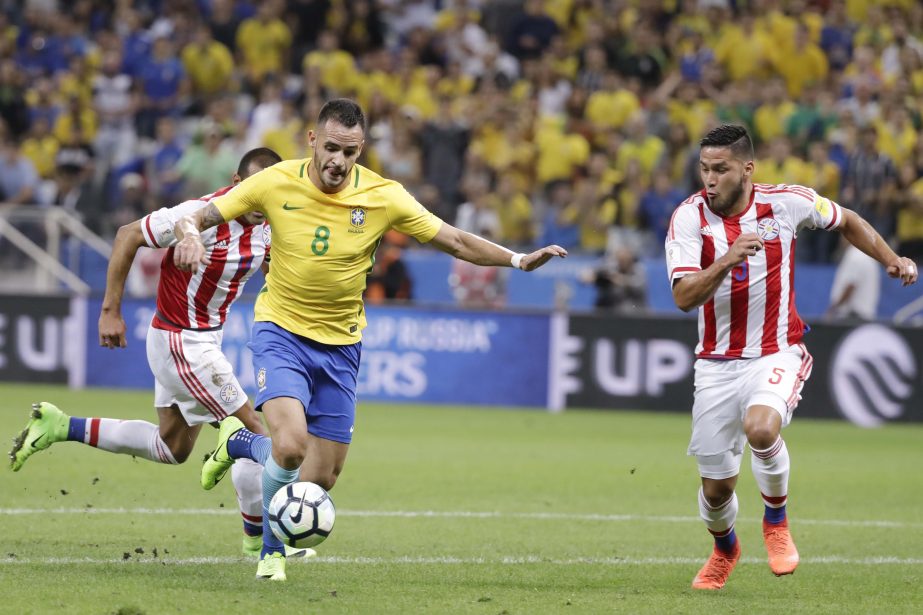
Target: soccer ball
{"x":301,"y":515}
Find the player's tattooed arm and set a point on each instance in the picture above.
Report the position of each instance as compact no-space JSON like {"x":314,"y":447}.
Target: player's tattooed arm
{"x":190,"y":251}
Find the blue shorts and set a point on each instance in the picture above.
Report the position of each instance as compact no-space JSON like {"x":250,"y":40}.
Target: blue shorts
{"x":322,"y":377}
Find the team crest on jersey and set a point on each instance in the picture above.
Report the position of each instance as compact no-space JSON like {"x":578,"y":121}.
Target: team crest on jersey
{"x":706,"y":230}
{"x":357,"y":217}
{"x":768,"y":229}
{"x":228,"y":393}
{"x":261,"y":378}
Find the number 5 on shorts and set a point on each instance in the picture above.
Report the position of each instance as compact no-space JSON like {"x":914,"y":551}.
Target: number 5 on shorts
{"x":777,"y":373}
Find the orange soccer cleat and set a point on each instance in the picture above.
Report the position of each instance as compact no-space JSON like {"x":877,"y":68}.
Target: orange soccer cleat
{"x":783,"y":556}
{"x":714,"y":574}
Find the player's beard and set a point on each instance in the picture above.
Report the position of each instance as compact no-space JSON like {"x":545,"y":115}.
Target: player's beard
{"x":725,"y":202}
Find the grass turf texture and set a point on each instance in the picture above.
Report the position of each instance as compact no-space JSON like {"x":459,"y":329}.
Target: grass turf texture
{"x":541,"y":477}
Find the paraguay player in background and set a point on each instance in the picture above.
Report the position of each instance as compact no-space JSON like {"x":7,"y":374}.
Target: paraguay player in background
{"x":730,"y":252}
{"x":193,"y":381}
{"x":328,"y":215}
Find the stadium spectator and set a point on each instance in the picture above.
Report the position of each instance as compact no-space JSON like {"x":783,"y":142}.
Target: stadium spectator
{"x":41,"y":147}
{"x":208,"y":63}
{"x":163,"y":85}
{"x":476,"y":215}
{"x":18,"y":178}
{"x":224,"y":22}
{"x":752,"y":364}
{"x":206,"y":161}
{"x":166,"y":151}
{"x":800,"y":65}
{"x":14,"y":112}
{"x":443,"y":142}
{"x":620,"y":282}
{"x":657,"y":205}
{"x":870,"y":178}
{"x":264,"y":42}
{"x":194,"y":382}
{"x":532,"y":33}
{"x":389,"y":279}
{"x":115,"y":103}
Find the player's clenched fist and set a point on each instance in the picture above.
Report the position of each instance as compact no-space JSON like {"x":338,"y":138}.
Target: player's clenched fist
{"x":747,"y":244}
{"x":111,"y":330}
{"x":189,"y":252}
{"x":905,"y":269}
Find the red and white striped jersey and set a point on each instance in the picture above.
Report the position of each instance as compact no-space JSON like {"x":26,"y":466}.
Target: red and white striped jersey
{"x":753,"y":311}
{"x":201,"y":300}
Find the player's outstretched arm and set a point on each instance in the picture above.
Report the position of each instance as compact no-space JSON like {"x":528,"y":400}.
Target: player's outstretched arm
{"x":477,"y":250}
{"x":189,"y":252}
{"x":111,"y":324}
{"x":696,"y":288}
{"x":860,"y":233}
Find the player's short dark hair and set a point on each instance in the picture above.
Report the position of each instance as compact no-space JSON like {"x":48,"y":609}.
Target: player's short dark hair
{"x":343,"y":111}
{"x":731,"y":136}
{"x":261,"y":156}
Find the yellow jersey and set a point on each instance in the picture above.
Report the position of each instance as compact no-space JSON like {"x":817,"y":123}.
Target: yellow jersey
{"x":323,"y":245}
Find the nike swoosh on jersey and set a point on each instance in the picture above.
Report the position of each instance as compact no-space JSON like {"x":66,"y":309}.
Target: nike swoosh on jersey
{"x":288,"y":207}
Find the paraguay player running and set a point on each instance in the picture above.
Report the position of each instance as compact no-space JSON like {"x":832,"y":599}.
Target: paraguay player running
{"x":193,"y":381}
{"x":328,"y":215}
{"x":730,"y":252}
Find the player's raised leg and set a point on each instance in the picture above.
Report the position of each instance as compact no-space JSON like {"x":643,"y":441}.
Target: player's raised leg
{"x":718,"y":509}
{"x":170,"y":442}
{"x":770,"y":465}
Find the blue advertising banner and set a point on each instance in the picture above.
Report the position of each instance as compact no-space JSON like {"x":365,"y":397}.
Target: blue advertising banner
{"x":127,"y":367}
{"x":455,"y":357}
{"x":407,"y":355}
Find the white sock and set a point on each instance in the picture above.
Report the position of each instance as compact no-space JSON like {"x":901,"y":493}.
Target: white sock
{"x":770,"y":469}
{"x":138,"y":438}
{"x":247,"y":476}
{"x":719,"y":519}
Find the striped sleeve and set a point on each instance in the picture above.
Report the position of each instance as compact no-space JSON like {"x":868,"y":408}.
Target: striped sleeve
{"x":812,"y":210}
{"x":157,"y":227}
{"x":683,"y":246}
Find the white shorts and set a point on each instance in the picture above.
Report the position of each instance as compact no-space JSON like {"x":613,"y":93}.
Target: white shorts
{"x":191,"y":372}
{"x":723,"y":392}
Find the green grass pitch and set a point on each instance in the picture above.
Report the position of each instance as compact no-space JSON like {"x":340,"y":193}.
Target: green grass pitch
{"x":461,"y":510}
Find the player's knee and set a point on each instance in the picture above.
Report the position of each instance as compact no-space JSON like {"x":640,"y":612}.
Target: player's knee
{"x":327,"y":481}
{"x":717,"y":494}
{"x":761,"y":435}
{"x":289,"y":450}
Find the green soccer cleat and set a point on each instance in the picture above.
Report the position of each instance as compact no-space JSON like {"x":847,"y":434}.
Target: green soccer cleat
{"x":218,"y":462}
{"x":252,"y":546}
{"x":271,"y":567}
{"x":46,"y":426}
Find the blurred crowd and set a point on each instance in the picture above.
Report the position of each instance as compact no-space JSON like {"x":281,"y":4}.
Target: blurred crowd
{"x":539,"y":121}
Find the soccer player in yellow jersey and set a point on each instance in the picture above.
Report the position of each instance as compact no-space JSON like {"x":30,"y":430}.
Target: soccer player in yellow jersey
{"x":327,"y":216}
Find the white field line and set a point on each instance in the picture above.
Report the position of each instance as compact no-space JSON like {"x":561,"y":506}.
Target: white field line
{"x":463,"y":561}
{"x":459,"y":514}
